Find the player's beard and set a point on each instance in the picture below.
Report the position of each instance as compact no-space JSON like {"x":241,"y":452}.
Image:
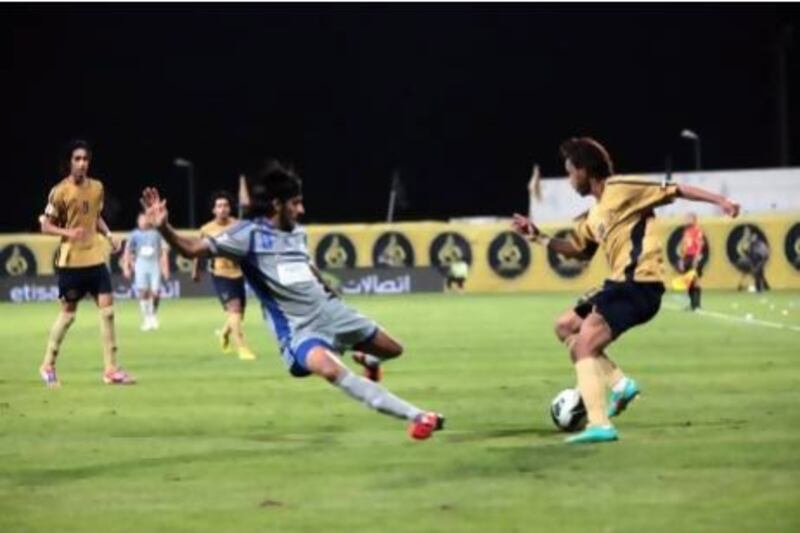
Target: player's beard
{"x":285,"y":220}
{"x":582,"y":187}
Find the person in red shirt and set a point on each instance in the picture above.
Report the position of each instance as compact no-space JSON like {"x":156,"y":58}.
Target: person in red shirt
{"x":692,"y":245}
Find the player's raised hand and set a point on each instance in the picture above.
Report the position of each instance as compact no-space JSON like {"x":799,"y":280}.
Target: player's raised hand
{"x":730,"y":208}
{"x":155,"y":209}
{"x":524,"y":226}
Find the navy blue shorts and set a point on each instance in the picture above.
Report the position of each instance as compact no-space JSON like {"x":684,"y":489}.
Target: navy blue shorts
{"x":623,"y":304}
{"x":229,"y":289}
{"x":75,"y":283}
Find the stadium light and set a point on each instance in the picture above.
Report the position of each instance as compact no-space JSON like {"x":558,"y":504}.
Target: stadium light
{"x":695,"y":138}
{"x":180,"y":162}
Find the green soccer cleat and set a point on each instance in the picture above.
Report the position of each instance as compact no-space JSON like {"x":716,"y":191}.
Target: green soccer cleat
{"x":620,"y":400}
{"x":594,"y":434}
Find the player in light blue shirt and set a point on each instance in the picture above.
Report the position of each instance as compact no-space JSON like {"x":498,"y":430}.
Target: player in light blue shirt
{"x":146,"y":257}
{"x":312,"y":324}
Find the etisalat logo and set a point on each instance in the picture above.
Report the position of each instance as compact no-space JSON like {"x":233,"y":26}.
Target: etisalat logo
{"x":369,"y":283}
{"x":46,"y":290}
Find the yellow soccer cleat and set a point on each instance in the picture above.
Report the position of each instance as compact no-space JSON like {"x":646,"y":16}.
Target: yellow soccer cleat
{"x":245,"y":354}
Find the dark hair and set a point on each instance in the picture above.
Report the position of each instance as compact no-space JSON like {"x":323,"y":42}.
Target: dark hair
{"x":65,"y":165}
{"x":588,"y":154}
{"x":222,"y":195}
{"x":273,"y":181}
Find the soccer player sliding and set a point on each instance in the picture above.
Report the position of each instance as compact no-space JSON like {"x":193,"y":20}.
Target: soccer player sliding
{"x":622,"y":222}
{"x":313,"y":326}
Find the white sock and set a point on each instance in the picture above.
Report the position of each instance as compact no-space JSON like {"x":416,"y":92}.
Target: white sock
{"x":143,"y":308}
{"x":150,"y":308}
{"x":371,"y":360}
{"x":619,"y":386}
{"x":376,"y":397}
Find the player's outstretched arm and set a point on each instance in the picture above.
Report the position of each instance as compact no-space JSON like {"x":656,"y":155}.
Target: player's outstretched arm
{"x":696,"y":194}
{"x":525,"y":227}
{"x":155,"y":209}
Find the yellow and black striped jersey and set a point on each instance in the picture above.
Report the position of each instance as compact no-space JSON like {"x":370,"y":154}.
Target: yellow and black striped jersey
{"x":622,"y":222}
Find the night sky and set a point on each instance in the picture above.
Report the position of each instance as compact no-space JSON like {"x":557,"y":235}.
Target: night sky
{"x":461,"y":99}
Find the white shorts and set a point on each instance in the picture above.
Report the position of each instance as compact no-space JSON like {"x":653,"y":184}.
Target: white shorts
{"x":147,"y":276}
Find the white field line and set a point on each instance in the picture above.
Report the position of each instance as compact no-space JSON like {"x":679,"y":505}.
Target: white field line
{"x":735,"y":318}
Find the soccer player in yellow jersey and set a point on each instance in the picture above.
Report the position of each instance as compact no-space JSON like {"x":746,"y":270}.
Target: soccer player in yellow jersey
{"x":622,"y":223}
{"x":73,"y":213}
{"x":227,"y":278}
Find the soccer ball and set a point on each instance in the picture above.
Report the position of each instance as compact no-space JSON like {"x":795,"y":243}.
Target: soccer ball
{"x":567,"y":410}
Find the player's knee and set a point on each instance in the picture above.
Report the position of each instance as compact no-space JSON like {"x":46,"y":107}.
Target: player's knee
{"x":562,"y":328}
{"x":329,"y":373}
{"x":580,"y":349}
{"x":320,"y":363}
{"x":565,"y":326}
{"x":396,"y":349}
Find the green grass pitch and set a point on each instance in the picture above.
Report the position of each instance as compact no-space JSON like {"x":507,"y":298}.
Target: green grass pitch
{"x":206,"y":442}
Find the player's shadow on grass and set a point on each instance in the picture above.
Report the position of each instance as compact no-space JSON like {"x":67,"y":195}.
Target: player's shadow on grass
{"x":479,"y":435}
{"x":51,"y":476}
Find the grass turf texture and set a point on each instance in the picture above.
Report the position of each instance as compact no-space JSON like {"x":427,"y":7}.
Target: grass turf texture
{"x":206,"y":442}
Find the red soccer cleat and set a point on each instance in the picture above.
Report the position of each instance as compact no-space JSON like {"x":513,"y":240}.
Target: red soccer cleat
{"x":425,"y":424}
{"x":372,"y":372}
{"x":118,"y":377}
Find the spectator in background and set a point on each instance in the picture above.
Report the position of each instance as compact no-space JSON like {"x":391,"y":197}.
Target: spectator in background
{"x":457,"y":274}
{"x":758,"y":255}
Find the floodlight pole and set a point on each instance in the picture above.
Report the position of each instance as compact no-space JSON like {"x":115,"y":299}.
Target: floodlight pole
{"x":392,"y":199}
{"x":180,"y":162}
{"x":695,"y":138}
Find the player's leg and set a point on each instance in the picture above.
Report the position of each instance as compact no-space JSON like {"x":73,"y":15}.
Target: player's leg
{"x":145,"y":308}
{"x":321,"y":361}
{"x":100,"y":288}
{"x":155,"y":289}
{"x":372,"y":352}
{"x":595,"y":334}
{"x":142,"y":281}
{"x":567,"y":326}
{"x":58,"y":331}
{"x":221,"y":289}
{"x":235,"y":328}
{"x":698,"y":287}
